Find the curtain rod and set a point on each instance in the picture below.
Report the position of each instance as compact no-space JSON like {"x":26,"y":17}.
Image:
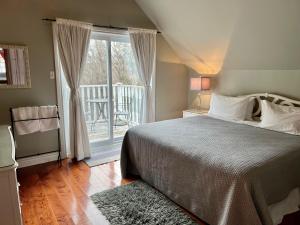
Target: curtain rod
{"x":95,"y":25}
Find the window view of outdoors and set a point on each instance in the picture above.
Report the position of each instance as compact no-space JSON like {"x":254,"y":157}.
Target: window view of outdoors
{"x":95,"y":70}
{"x":123,"y":65}
{"x":127,"y":99}
{"x":2,"y":67}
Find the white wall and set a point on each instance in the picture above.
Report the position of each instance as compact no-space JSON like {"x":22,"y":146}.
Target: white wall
{"x":171,"y":83}
{"x":255,"y":44}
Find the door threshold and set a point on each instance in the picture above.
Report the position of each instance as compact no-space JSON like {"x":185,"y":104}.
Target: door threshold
{"x":106,"y":148}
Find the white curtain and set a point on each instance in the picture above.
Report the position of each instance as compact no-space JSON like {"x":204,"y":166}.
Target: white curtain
{"x":143,"y":43}
{"x":73,"y":40}
{"x":16,"y":66}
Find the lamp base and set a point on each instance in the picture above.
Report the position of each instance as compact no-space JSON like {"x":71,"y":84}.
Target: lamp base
{"x":199,"y":102}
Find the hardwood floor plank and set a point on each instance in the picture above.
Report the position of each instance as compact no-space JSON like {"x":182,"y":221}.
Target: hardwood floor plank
{"x":62,"y":216}
{"x":67,"y":198}
{"x":88,"y":206}
{"x":38,"y":202}
{"x":28,"y":215}
{"x":89,"y":180}
{"x":42,"y":208}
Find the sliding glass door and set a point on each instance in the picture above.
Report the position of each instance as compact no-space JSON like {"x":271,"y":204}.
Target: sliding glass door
{"x":94,"y":91}
{"x":111,"y":92}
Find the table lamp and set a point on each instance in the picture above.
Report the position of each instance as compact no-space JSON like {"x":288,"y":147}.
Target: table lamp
{"x":200,"y":84}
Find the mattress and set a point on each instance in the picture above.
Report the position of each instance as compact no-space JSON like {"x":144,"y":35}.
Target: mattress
{"x":225,"y":173}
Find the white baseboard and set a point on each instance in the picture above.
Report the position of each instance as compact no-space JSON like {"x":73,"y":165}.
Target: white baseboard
{"x":38,"y":159}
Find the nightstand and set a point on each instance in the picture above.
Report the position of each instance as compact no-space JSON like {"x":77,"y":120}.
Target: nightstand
{"x":194,"y":112}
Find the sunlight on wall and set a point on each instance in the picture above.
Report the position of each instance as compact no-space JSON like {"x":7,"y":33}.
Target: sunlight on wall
{"x":210,"y":67}
{"x":210,"y":63}
{"x":202,"y":68}
{"x":207,"y":59}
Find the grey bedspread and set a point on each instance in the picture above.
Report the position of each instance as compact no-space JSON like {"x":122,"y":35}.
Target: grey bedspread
{"x":223,"y":172}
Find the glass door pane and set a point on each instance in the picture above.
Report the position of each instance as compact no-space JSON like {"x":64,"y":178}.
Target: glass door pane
{"x":127,"y":89}
{"x":111,"y":91}
{"x":94,"y":91}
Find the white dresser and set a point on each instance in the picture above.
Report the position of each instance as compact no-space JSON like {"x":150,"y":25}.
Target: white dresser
{"x":10,"y":211}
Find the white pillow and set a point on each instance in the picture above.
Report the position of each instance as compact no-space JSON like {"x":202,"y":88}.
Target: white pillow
{"x":231,"y":108}
{"x":280,"y":118}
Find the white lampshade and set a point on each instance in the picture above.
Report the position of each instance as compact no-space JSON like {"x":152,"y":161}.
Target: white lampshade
{"x":200,"y":84}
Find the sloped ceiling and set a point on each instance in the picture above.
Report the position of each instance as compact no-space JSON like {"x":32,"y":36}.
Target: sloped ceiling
{"x":211,"y":35}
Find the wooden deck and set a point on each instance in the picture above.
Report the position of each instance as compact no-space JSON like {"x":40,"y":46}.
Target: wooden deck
{"x":100,"y":131}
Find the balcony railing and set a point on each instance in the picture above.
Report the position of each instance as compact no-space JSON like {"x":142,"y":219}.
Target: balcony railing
{"x":126,"y":98}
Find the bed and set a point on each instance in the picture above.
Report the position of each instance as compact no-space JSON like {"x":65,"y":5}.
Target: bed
{"x":225,"y":173}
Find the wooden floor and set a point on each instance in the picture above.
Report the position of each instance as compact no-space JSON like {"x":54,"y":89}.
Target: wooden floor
{"x":60,"y":195}
{"x":51,"y":194}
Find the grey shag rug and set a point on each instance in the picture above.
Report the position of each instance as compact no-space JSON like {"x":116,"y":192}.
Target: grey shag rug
{"x":139,"y":204}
